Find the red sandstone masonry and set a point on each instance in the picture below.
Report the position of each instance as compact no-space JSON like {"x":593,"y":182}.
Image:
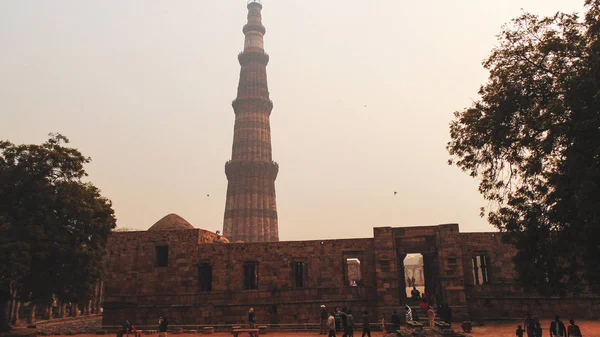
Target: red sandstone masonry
{"x":251,"y":208}
{"x":137,"y":289}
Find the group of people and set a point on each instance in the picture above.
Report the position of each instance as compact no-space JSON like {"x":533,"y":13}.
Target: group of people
{"x":342,"y":320}
{"x":443,"y":312}
{"x":532,"y":328}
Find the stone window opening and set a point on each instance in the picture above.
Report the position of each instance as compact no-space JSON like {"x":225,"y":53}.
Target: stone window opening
{"x":480,"y":269}
{"x":205,"y":276}
{"x":299,"y":274}
{"x":352,"y":271}
{"x":162,"y":256}
{"x":250,"y":275}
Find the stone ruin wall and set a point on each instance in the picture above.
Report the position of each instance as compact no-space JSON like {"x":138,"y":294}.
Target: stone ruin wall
{"x":138,"y":290}
{"x":503,"y":297}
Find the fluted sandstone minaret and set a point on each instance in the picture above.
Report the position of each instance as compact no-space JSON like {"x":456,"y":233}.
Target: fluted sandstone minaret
{"x":250,"y":208}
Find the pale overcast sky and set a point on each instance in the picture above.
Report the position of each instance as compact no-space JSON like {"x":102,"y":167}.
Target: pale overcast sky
{"x":363,"y":91}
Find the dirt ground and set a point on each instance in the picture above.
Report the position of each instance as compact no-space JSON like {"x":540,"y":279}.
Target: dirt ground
{"x":588,"y":329}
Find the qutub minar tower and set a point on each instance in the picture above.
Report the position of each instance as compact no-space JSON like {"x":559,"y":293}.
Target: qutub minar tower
{"x":250,"y":208}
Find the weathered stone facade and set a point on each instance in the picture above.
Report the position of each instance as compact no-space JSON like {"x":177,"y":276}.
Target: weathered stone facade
{"x":209,"y":281}
{"x":251,"y":208}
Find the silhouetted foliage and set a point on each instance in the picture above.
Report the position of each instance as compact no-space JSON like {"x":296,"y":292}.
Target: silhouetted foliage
{"x":533,"y":140}
{"x":53,"y":226}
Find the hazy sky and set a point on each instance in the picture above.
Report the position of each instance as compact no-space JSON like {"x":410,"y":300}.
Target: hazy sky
{"x":363,"y":91}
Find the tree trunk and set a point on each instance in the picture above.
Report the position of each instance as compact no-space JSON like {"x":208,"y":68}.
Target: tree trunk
{"x":15,"y":316}
{"x":4,"y":306}
{"x":99,"y":295}
{"x":31,"y":318}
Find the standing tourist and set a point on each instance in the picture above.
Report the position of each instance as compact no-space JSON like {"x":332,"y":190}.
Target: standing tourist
{"x":251,"y":320}
{"x":538,"y":329}
{"x":557,"y":328}
{"x":519,"y":332}
{"x":331,"y":325}
{"x":431,"y":316}
{"x":366,"y":326}
{"x":573,"y":330}
{"x":344,"y":319}
{"x":338,"y":319}
{"x":323,"y":319}
{"x":163,"y":325}
{"x":529,"y":325}
{"x":128,"y":327}
{"x":349,"y":331}
{"x":395,"y":321}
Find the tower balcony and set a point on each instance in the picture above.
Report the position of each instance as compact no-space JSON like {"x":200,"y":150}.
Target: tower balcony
{"x":244,"y":169}
{"x":242,"y":104}
{"x":254,"y":27}
{"x":249,"y":56}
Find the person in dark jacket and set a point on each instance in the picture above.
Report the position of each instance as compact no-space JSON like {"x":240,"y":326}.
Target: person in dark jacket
{"x":251,"y":320}
{"x":344,"y":319}
{"x":529,"y":325}
{"x":538,"y":329}
{"x":557,"y":328}
{"x":163,"y":324}
{"x":396,"y":321}
{"x":349,"y":328}
{"x":573,"y":330}
{"x":366,"y":326}
{"x":338,"y":320}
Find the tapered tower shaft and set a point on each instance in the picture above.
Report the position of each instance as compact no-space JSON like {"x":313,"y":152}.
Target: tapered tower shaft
{"x":250,"y":208}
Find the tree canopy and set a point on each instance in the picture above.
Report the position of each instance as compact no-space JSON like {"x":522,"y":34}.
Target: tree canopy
{"x":53,"y":226}
{"x":533,"y":141}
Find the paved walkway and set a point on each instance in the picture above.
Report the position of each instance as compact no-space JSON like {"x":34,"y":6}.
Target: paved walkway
{"x":588,"y":329}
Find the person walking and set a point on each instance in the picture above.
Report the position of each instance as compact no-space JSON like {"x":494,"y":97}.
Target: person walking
{"x":323,"y":318}
{"x":557,"y":328}
{"x":331,"y":325}
{"x":573,"y":330}
{"x":366,"y":326}
{"x":251,"y":320}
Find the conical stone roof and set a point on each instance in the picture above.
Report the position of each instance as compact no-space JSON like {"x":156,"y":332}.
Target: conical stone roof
{"x":171,"y":222}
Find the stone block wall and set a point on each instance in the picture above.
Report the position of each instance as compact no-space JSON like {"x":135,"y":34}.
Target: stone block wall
{"x":503,"y":297}
{"x":139,"y":290}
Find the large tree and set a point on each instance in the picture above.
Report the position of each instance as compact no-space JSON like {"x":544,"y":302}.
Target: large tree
{"x":53,"y":225}
{"x":533,"y":140}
